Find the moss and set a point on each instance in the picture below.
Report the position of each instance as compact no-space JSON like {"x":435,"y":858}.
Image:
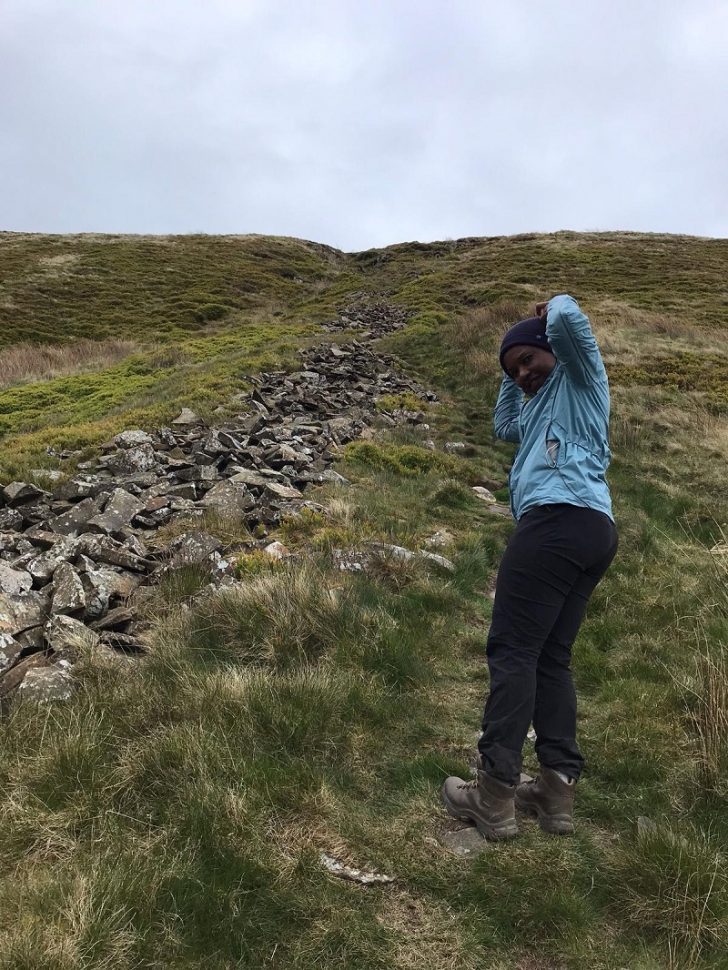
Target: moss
{"x":406,"y":401}
{"x":683,"y":371}
{"x":406,"y":460}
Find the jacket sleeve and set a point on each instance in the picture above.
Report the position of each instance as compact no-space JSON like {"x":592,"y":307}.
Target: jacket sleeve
{"x":508,"y":410}
{"x":570,"y":334}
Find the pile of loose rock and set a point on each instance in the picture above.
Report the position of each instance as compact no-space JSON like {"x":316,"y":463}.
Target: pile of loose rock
{"x":72,"y":554}
{"x":369,"y":317}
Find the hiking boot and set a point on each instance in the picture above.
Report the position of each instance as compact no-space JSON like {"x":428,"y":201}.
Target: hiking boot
{"x":485,"y":801}
{"x":550,"y":799}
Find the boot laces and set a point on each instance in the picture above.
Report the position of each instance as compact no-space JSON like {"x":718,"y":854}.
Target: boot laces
{"x":469,"y":784}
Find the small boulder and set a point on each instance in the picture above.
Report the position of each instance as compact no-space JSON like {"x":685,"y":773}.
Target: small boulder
{"x":16,"y":493}
{"x":230,"y":499}
{"x":69,"y":595}
{"x":14,"y":581}
{"x":133,"y":438}
{"x":192,"y":548}
{"x":186,"y":416}
{"x":485,"y":494}
{"x":120,"y":509}
{"x":276,"y":550}
{"x":41,"y":685}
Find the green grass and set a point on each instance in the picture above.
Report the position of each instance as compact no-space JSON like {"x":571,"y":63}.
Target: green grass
{"x":172,"y":813}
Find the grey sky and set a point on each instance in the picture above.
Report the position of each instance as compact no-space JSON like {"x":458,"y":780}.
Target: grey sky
{"x":360,"y":123}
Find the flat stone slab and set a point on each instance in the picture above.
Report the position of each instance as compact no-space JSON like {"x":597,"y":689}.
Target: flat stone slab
{"x":466,"y":842}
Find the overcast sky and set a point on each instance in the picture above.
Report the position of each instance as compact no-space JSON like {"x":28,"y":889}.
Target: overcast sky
{"x":361,"y":123}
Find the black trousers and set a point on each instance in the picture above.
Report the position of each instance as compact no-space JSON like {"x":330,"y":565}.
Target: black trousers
{"x":553,"y":562}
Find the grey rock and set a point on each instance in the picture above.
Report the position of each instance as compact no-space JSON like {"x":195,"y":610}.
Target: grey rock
{"x":485,"y":494}
{"x":198,"y":473}
{"x":466,"y":842}
{"x":42,"y":567}
{"x":117,"y":619}
{"x":192,"y":548}
{"x":329,"y":475}
{"x":12,"y":678}
{"x":79,"y":488}
{"x":187,"y":417}
{"x":119,"y":511}
{"x":75,"y":521}
{"x":107,"y":550}
{"x":68,"y":636}
{"x":42,"y":685}
{"x":102,"y":584}
{"x":17,"y":493}
{"x":249,"y":477}
{"x":18,"y":613}
{"x":14,"y":581}
{"x":439,"y":560}
{"x":230,"y":498}
{"x":10,"y":651}
{"x":282,"y":491}
{"x":51,"y":474}
{"x":132,"y":438}
{"x":127,"y":461}
{"x":69,"y":595}
{"x":440,"y":539}
{"x":10,"y":520}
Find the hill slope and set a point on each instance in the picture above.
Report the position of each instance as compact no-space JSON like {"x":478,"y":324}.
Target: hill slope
{"x":173,"y":812}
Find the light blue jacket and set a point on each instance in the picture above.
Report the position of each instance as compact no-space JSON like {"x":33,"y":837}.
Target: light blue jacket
{"x":563,"y":430}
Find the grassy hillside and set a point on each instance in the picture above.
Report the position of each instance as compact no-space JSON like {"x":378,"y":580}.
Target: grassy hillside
{"x":172,"y":814}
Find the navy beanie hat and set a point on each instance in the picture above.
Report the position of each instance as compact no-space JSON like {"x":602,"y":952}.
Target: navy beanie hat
{"x":530,"y":333}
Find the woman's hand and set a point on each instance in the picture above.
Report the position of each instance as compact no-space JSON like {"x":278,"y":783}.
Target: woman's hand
{"x":541,"y":308}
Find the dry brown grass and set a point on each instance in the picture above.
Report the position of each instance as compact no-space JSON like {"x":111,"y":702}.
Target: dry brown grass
{"x":27,"y":362}
{"x":489,"y":323}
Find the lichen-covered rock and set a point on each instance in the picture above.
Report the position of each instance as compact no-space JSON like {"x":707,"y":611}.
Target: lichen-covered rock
{"x":68,"y":637}
{"x":10,"y":520}
{"x":41,"y":685}
{"x":42,"y":566}
{"x":127,"y":461}
{"x":192,"y":548}
{"x":119,"y":510}
{"x":69,"y":595}
{"x":10,"y":650}
{"x":12,"y":678}
{"x":76,"y":519}
{"x":229,"y":499}
{"x":17,"y":493}
{"x":133,"y":438}
{"x":18,"y":613}
{"x":282,"y":491}
{"x":14,"y":581}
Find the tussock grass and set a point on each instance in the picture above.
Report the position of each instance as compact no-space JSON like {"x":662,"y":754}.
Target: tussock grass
{"x":675,"y":885}
{"x":26,"y":362}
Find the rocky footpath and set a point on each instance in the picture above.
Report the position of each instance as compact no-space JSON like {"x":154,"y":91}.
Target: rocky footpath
{"x":75,"y":555}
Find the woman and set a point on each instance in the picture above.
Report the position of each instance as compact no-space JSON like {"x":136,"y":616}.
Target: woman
{"x":563,"y":543}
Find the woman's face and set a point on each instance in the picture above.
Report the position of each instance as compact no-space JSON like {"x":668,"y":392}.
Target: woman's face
{"x":529,"y":367}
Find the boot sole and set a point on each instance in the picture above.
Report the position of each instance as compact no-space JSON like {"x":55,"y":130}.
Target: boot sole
{"x":552,"y":824}
{"x":494,"y":833}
